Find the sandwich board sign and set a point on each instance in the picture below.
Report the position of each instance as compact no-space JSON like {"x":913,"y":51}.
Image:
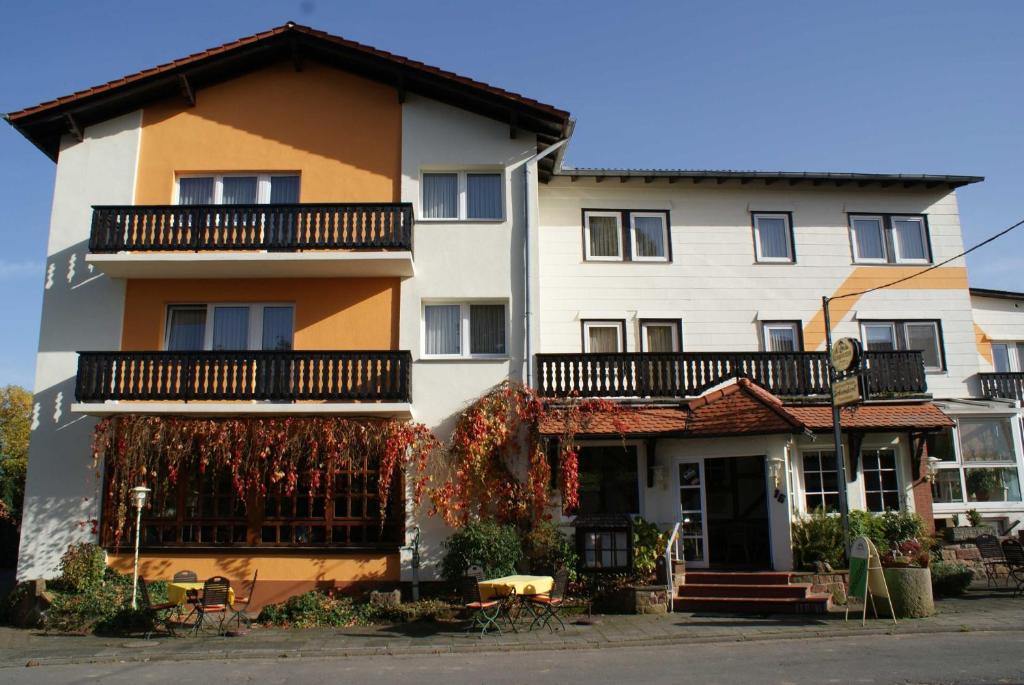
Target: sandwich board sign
{"x":866,"y":578}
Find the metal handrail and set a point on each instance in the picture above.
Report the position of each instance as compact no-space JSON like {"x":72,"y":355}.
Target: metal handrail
{"x":673,"y":539}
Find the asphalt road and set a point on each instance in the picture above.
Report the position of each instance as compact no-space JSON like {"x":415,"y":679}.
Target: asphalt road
{"x":917,"y":659}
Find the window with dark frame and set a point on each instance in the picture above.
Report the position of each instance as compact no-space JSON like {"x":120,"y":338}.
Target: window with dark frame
{"x":924,"y":335}
{"x":821,"y":481}
{"x":782,"y":336}
{"x":773,"y":237}
{"x":890,"y":239}
{"x":661,"y":335}
{"x":881,"y":485}
{"x":604,"y":336}
{"x":626,"y":235}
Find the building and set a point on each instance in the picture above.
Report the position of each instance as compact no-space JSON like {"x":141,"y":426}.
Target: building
{"x":296,"y":225}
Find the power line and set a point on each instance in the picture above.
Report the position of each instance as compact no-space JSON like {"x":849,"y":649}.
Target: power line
{"x":931,"y":268}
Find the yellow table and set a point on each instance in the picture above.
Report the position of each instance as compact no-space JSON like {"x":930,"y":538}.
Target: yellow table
{"x":178,"y":592}
{"x":523,"y":585}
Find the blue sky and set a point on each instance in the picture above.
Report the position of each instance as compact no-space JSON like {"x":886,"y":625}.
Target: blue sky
{"x":928,"y":87}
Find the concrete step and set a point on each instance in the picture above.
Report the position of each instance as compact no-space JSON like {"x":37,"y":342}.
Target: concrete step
{"x":737,"y":577}
{"x":813,"y":604}
{"x":796,"y":590}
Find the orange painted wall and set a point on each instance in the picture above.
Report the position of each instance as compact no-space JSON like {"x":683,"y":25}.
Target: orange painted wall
{"x":342,"y":133}
{"x":330,"y":313}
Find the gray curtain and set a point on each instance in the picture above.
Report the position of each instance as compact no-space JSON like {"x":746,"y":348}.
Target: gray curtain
{"x":604,"y":236}
{"x":924,"y":337}
{"x":487,"y":329}
{"x":908,"y":238}
{"x":186,"y":328}
{"x":780,"y":339}
{"x":231,"y":328}
{"x":284,"y":190}
{"x":659,"y":338}
{"x":650,"y":236}
{"x":603,"y":338}
{"x":440,"y":196}
{"x":277,"y":328}
{"x":774,"y":241}
{"x":239,"y":190}
{"x":879,"y":338}
{"x":483,"y":196}
{"x":195,"y":191}
{"x":868,"y":234}
{"x":443,"y":326}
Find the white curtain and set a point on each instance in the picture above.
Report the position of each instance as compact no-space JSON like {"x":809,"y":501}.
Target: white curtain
{"x":277,"y":328}
{"x":440,"y":196}
{"x":868,"y":234}
{"x":186,"y":328}
{"x":604,"y":236}
{"x":650,"y":236}
{"x":909,"y":239}
{"x":603,"y":338}
{"x":231,"y":328}
{"x":284,"y":190}
{"x":771,"y":232}
{"x":442,"y":323}
{"x":195,"y":191}
{"x":483,"y":196}
{"x":780,"y":339}
{"x":487,"y":329}
{"x":239,"y":190}
{"x":659,"y":338}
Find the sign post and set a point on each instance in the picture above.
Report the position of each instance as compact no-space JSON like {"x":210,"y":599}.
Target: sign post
{"x":842,"y":360}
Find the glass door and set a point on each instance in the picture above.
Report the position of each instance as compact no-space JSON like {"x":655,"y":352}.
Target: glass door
{"x":692,"y":508}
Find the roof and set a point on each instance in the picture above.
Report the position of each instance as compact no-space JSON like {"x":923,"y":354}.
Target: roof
{"x":742,"y":407}
{"x":769,"y":177}
{"x":45,"y":123}
{"x":999,"y":294}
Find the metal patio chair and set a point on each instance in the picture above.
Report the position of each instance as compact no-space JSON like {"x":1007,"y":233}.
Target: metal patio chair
{"x":992,"y":556}
{"x":482,"y":614}
{"x":239,"y":615}
{"x":159,"y":614}
{"x":1014,"y":552}
{"x":212,"y":607}
{"x":547,"y":607}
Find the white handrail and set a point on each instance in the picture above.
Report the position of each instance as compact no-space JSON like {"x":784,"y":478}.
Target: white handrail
{"x":672,"y":539}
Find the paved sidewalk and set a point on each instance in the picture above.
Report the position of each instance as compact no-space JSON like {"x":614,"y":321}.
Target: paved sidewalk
{"x":979,"y":610}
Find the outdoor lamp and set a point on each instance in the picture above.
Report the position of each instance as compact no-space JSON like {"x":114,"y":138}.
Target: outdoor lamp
{"x":775,"y":465}
{"x":930,"y":469}
{"x":139,"y":493}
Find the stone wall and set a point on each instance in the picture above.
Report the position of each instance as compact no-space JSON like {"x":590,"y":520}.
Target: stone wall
{"x":967,"y":553}
{"x":834,"y":583}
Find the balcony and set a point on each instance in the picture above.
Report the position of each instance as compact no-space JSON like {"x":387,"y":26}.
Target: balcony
{"x":690,"y":374}
{"x":229,"y":382}
{"x":252,"y":241}
{"x":1007,"y":385}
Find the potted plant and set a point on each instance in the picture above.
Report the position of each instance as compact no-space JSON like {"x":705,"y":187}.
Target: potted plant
{"x":908,"y":578}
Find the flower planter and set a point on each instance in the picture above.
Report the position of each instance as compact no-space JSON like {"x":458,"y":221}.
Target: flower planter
{"x":635,"y":599}
{"x":911,"y":591}
{"x":966,"y":533}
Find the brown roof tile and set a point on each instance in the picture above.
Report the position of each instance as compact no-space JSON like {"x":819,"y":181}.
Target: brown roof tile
{"x":924,"y":416}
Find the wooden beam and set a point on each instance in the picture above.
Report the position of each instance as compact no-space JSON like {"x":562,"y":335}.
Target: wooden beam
{"x":73,"y":128}
{"x":400,"y":87}
{"x":573,"y":179}
{"x":794,"y":181}
{"x":513,"y":121}
{"x":652,"y":453}
{"x":720,"y":180}
{"x":623,"y":179}
{"x":673,"y":179}
{"x":855,"y":439}
{"x":770,"y":181}
{"x":744,"y":181}
{"x":648,"y":179}
{"x":599,"y":179}
{"x":186,"y":90}
{"x":296,"y":55}
{"x":697,"y":179}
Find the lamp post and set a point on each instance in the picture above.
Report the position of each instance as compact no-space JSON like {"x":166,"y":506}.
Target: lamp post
{"x":837,"y":430}
{"x":139,"y":493}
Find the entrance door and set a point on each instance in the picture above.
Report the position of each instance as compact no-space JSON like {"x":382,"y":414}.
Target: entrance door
{"x":736,"y":508}
{"x":691,"y":502}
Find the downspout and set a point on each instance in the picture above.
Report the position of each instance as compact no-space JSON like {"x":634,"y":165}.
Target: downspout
{"x":529,"y":172}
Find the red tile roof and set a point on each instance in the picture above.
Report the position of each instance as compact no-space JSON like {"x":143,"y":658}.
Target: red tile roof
{"x":629,"y":421}
{"x":875,"y":417}
{"x":740,"y":408}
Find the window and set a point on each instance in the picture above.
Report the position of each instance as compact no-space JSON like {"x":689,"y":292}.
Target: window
{"x":773,"y":237}
{"x":461,"y":330}
{"x":604,"y":239}
{"x":889,"y":239}
{"x":781,"y":336}
{"x":1007,"y":357}
{"x":649,"y":235}
{"x":459,"y":195}
{"x":603,"y":549}
{"x":604,"y":336}
{"x":229,"y":327}
{"x":985,"y":466}
{"x":922,"y":336}
{"x":602,"y":236}
{"x":608,"y":480}
{"x":881,"y":486}
{"x":821,"y":483}
{"x":660,"y":335}
{"x":238,"y":189}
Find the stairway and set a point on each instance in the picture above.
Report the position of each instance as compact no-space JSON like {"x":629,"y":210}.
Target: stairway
{"x":762,"y":592}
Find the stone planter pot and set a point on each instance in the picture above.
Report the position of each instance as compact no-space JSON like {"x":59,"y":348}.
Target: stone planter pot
{"x":911,"y":592}
{"x":966,"y":533}
{"x":635,"y":599}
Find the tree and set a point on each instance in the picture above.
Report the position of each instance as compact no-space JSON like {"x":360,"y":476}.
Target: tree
{"x":15,"y":425}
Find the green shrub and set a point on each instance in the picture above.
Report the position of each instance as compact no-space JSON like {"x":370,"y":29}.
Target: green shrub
{"x":648,"y":546}
{"x":102,"y":606}
{"x":974,"y":517}
{"x":865,"y":524}
{"x":407,"y":612}
{"x":313,"y":609}
{"x":950,"y":580}
{"x":888,"y":530}
{"x":82,"y":566}
{"x":490,"y":545}
{"x":546,"y":548}
{"x":818,"y":537}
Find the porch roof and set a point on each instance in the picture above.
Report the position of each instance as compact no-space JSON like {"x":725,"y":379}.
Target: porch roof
{"x":876,"y":417}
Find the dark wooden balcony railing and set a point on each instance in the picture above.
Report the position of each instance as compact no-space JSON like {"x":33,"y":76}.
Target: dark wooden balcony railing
{"x":1007,"y":385}
{"x":689,"y":374}
{"x":252,"y":227}
{"x":247,"y":375}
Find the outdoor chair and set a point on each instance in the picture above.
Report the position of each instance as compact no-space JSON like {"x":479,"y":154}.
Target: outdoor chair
{"x":158,"y":614}
{"x":482,"y":614}
{"x":212,"y":607}
{"x":991,"y":556}
{"x":547,"y":607}
{"x":239,"y":615}
{"x":1014,"y":552}
{"x":185,"y":577}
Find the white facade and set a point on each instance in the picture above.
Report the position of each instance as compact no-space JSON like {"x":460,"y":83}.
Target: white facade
{"x":82,"y":310}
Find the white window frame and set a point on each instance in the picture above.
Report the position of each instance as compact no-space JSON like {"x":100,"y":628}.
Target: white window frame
{"x":1014,"y":355}
{"x":896,"y":467}
{"x":262,"y":184}
{"x":632,"y":236}
{"x":792,"y":326}
{"x":899,"y":331}
{"x":255,"y":338}
{"x":803,"y":478}
{"x":675,"y":326}
{"x":896,"y":244}
{"x":891,"y":325}
{"x":465,"y":342}
{"x":881,"y":231}
{"x":461,"y":199}
{"x":617,"y":325}
{"x":789,"y":258}
{"x":618,"y":236}
{"x":961,"y":467}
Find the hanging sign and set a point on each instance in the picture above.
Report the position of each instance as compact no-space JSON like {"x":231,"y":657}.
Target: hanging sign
{"x":845,"y":354}
{"x":846,"y":391}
